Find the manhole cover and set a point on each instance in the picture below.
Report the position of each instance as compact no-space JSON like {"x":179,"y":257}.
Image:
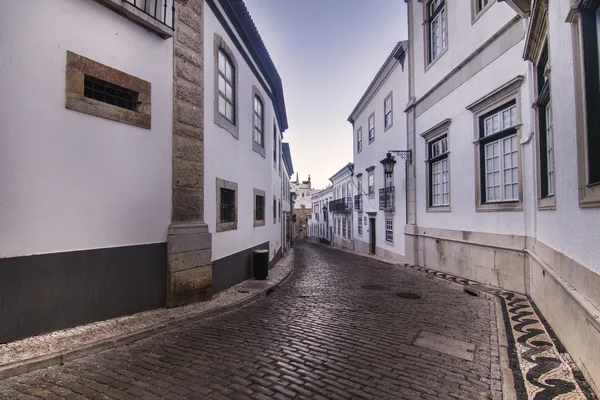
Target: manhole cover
{"x":408,"y":295}
{"x":374,"y":287}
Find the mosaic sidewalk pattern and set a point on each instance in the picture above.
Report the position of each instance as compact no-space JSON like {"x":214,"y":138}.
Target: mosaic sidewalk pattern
{"x":542,"y":368}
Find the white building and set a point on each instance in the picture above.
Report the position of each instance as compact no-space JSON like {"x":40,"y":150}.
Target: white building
{"x":127,"y":185}
{"x":303,"y":191}
{"x":321,"y":225}
{"x":287,"y":202}
{"x":516,"y":203}
{"x":343,"y":188}
{"x":244,"y":118}
{"x":379,"y":125}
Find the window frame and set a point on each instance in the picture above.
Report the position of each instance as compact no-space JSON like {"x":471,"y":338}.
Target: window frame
{"x":387,"y":126}
{"x":477,"y":11}
{"x":546,"y":199}
{"x":494,"y":101}
{"x":432,"y":136}
{"x":389,"y":232}
{"x":586,"y":67}
{"x":225,"y":226}
{"x":257,"y":194}
{"x":371,"y":128}
{"x":256,"y":146}
{"x":274,"y":209}
{"x":220,"y":120}
{"x":427,"y":19}
{"x":359,"y":146}
{"x":371,"y":176}
{"x":359,"y":227}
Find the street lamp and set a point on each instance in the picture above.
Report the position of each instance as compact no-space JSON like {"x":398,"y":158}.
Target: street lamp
{"x":388,"y":164}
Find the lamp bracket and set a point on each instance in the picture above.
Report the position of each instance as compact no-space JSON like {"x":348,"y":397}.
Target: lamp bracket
{"x":406,"y":155}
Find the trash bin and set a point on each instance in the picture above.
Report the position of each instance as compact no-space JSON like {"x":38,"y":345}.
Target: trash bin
{"x":260,"y":264}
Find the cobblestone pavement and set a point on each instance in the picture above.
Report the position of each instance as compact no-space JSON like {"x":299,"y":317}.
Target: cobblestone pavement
{"x":320,"y":335}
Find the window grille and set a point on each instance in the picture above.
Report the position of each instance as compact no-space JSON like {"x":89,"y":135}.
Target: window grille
{"x":109,"y":93}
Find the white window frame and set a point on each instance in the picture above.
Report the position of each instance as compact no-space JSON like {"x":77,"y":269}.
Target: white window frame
{"x":389,"y":230}
{"x":484,"y":110}
{"x":436,"y":20}
{"x":437,"y":153}
{"x":371,"y":127}
{"x":224,"y":65}
{"x":371,"y":177}
{"x":359,"y":224}
{"x":388,"y":111}
{"x":359,"y":140}
{"x":258,"y":121}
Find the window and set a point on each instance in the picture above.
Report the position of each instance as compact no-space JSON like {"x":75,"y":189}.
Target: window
{"x":589,"y":91}
{"x":499,"y":155}
{"x":439,"y":186}
{"x":481,"y":4}
{"x":109,"y":93}
{"x":274,"y":211}
{"x":545,"y":135}
{"x":258,"y":121}
{"x":344,"y":227}
{"x":259,"y":207}
{"x":339,"y":224}
{"x":478,"y":7}
{"x":279,"y":205}
{"x":371,"y":127}
{"x":387,"y":111}
{"x":226,"y":205}
{"x":436,"y":27}
{"x":349,"y":229}
{"x":274,"y":144}
{"x":226,"y":87}
{"x":359,"y":183}
{"x":105,"y":92}
{"x":359,"y":224}
{"x":359,"y":140}
{"x":371,"y":182}
{"x":389,"y":230}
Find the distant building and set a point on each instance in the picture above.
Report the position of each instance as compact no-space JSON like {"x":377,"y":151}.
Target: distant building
{"x":302,"y":191}
{"x":341,"y":206}
{"x":321,"y":225}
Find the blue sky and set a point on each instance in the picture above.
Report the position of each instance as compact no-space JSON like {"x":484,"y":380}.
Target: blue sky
{"x":327,"y":52}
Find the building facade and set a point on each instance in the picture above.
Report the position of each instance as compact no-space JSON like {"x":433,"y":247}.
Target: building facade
{"x":114,"y":194}
{"x":321,"y":229}
{"x":287,"y":201}
{"x":379,"y":125}
{"x":500,"y":123}
{"x":340,"y":207}
{"x":302,"y":192}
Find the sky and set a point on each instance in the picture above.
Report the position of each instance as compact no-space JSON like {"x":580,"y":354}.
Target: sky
{"x":326,"y":52}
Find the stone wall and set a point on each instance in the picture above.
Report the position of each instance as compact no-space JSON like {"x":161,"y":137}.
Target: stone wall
{"x":189,"y":242}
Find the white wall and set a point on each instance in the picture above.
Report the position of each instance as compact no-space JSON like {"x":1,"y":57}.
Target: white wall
{"x":233,"y":159}
{"x":462,"y":154}
{"x":69,"y":180}
{"x":463,"y":39}
{"x":394,"y":138}
{"x":569,"y":229}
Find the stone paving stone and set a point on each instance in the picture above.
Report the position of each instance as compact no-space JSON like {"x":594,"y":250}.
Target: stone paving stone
{"x":320,"y":336}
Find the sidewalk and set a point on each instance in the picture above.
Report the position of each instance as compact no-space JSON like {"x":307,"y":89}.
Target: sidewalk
{"x":54,"y":348}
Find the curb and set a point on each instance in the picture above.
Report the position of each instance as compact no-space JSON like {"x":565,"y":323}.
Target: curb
{"x":59,"y":358}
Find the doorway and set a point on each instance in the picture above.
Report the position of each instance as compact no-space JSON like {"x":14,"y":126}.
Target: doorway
{"x":372,"y":236}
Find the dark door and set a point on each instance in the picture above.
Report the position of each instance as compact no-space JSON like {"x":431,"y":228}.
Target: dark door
{"x":372,"y":235}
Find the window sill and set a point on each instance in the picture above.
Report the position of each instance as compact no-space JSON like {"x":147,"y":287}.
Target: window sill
{"x":432,"y":63}
{"x":139,"y":17}
{"x":258,"y":149}
{"x":590,"y":196}
{"x":226,"y":226}
{"x":476,"y":15}
{"x":258,"y":223}
{"x":224,"y":123}
{"x":500,"y":207}
{"x":388,"y":127}
{"x":547,"y":203}
{"x":438,"y":209}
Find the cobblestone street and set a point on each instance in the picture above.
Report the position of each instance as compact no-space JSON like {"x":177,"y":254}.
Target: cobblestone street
{"x":319,"y":335}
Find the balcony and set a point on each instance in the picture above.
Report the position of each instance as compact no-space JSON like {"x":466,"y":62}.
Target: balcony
{"x":386,"y":198}
{"x":158,"y":16}
{"x":341,"y":205}
{"x":358,"y":202}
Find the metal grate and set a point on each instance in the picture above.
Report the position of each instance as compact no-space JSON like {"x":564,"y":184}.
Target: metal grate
{"x":227,"y":205}
{"x":161,"y":10}
{"x":109,"y":93}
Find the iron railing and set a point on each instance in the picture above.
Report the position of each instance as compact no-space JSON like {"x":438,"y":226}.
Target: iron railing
{"x":341,"y":205}
{"x":386,"y":198}
{"x":358,"y":202}
{"x":161,"y":10}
